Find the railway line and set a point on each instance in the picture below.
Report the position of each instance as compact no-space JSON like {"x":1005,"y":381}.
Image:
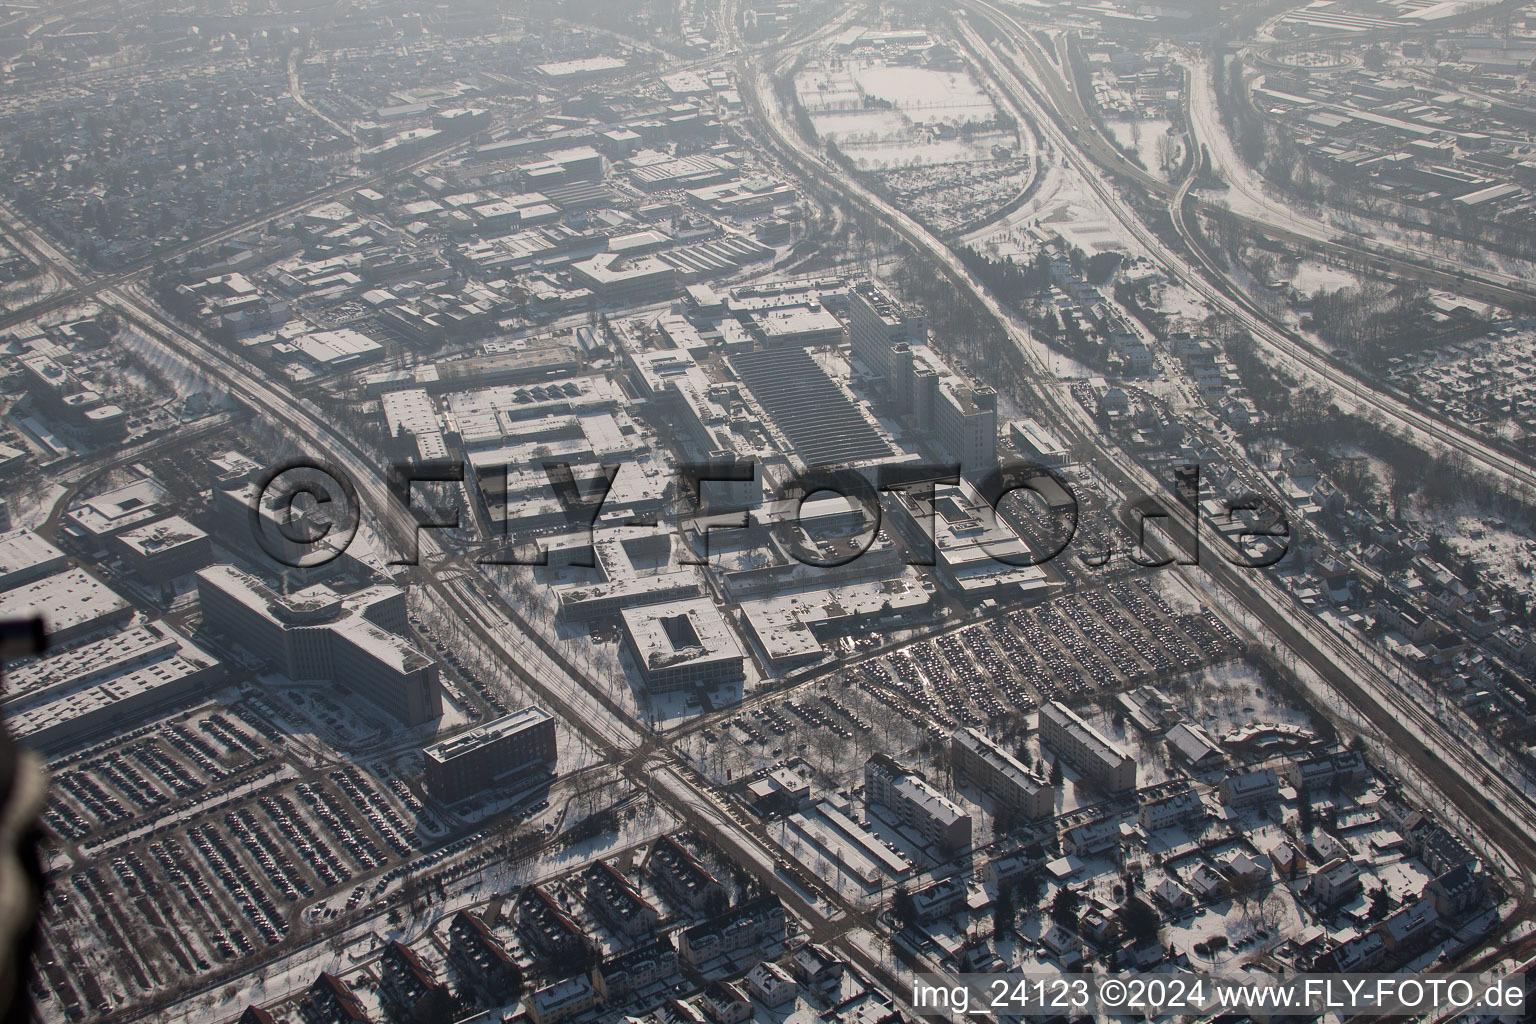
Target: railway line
{"x":1075,"y":138}
{"x":1502,"y":813}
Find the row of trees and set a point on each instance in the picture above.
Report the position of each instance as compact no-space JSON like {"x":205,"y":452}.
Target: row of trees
{"x":1373,"y":321}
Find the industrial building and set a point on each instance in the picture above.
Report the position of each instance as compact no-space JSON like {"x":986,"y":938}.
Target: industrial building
{"x":73,"y":604}
{"x":106,"y":684}
{"x":818,"y":419}
{"x":24,"y":556}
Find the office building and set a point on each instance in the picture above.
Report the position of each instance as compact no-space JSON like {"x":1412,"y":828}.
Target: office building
{"x":876,"y":323}
{"x":682,"y":645}
{"x":158,"y":552}
{"x":473,"y":762}
{"x":318,"y":634}
{"x":960,"y":416}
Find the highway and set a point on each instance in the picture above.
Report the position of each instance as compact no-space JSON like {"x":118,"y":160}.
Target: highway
{"x":1088,"y":153}
{"x":1273,"y":607}
{"x":1058,"y":92}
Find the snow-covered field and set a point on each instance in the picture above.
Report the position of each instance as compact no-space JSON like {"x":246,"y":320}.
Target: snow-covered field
{"x":1141,"y":137}
{"x":923,"y":95}
{"x":927,"y":96}
{"x":885,"y":116}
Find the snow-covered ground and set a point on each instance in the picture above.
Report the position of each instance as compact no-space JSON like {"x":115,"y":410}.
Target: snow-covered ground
{"x":886,"y":117}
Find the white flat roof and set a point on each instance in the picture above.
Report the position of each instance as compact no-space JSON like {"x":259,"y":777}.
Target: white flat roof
{"x":506,"y":725}
{"x":707,"y":636}
{"x":120,"y":508}
{"x":87,"y":663}
{"x":584,"y":66}
{"x":22,"y":552}
{"x":161,"y":536}
{"x":328,"y":347}
{"x":104,"y":674}
{"x":66,"y":600}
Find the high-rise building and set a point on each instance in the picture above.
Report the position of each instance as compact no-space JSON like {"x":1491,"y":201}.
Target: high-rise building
{"x":960,"y":416}
{"x":877,"y":322}
{"x":319,"y":634}
{"x":889,"y":341}
{"x":977,"y":759}
{"x":1101,"y":760}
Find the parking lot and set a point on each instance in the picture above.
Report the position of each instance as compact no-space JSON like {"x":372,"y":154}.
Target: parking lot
{"x":994,"y":672}
{"x":1079,"y":645}
{"x":199,"y":841}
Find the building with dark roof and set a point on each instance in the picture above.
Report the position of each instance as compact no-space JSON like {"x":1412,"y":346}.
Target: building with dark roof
{"x":1458,"y":891}
{"x":726,"y":1003}
{"x":545,"y":927}
{"x":330,"y":1001}
{"x":820,"y":422}
{"x":757,"y":922}
{"x":679,"y":875}
{"x":472,"y":762}
{"x":623,"y":974}
{"x":616,"y":901}
{"x":409,"y":990}
{"x":486,"y":971}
